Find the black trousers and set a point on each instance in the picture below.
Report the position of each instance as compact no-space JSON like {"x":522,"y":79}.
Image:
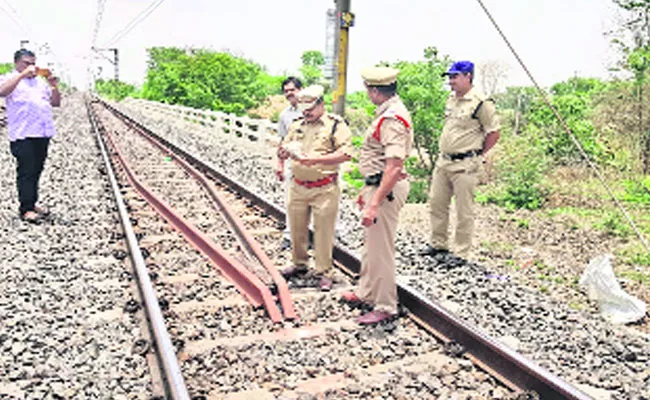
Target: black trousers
{"x":30,"y":156}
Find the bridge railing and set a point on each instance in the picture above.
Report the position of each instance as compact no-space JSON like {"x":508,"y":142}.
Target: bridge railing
{"x":256,"y":130}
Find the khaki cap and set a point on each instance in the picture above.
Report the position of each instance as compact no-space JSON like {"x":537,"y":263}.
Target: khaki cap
{"x":308,"y":96}
{"x":379,"y":76}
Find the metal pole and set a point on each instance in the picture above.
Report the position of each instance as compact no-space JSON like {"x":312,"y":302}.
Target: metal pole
{"x":345,"y":20}
{"x":116,"y":63}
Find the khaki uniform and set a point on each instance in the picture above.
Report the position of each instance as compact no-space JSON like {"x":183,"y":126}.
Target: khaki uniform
{"x":458,"y":178}
{"x":394,"y":139}
{"x":321,"y":203}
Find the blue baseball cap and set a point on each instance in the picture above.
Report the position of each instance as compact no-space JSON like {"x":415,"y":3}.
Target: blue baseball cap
{"x":460,"y":67}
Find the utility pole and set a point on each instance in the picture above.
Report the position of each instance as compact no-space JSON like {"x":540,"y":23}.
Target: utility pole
{"x":115,"y":61}
{"x":345,"y":20}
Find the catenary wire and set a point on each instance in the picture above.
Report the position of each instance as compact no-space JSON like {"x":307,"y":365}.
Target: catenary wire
{"x":134,"y":22}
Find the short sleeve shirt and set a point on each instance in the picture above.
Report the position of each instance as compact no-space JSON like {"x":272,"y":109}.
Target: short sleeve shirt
{"x":319,"y":138}
{"x":394,"y":139}
{"x":29,"y":112}
{"x":287,"y":116}
{"x":462,"y":132}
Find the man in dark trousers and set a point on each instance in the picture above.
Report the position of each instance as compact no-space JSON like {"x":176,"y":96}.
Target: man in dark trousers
{"x":29,"y":100}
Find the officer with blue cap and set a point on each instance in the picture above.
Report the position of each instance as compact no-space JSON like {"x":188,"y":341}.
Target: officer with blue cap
{"x":471,"y":129}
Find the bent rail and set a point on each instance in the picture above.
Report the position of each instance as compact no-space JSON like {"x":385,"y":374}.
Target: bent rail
{"x":246,"y":282}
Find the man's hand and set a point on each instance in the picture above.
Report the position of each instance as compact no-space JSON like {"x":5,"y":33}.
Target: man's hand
{"x":29,"y":72}
{"x":369,"y":216}
{"x":53,"y":81}
{"x":282,"y":153}
{"x":360,"y":202}
{"x":306,"y":161}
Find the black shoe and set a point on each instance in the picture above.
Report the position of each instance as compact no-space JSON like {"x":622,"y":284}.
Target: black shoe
{"x":430,"y":251}
{"x":285,"y":245}
{"x":293,"y":270}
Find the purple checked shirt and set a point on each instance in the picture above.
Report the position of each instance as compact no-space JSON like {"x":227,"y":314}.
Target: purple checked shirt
{"x":29,"y":113}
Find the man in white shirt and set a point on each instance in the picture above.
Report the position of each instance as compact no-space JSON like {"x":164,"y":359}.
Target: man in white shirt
{"x":290,"y":87}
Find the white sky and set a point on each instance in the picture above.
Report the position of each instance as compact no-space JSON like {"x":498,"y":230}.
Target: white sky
{"x":556,"y":38}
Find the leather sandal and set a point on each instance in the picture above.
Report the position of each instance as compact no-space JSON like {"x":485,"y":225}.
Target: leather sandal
{"x":43,"y":211}
{"x":375,"y":317}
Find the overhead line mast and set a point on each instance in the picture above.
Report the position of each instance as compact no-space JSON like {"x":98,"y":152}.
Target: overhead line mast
{"x":345,"y":20}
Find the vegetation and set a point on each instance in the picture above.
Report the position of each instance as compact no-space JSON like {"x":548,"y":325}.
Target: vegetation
{"x":115,"y":90}
{"x":6,"y":67}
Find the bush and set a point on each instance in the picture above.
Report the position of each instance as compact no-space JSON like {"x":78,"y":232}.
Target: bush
{"x":115,"y":90}
{"x":6,"y":67}
{"x":207,"y":80}
{"x":419,"y":192}
{"x":637,"y":192}
{"x":354,"y":178}
{"x":520,"y":172}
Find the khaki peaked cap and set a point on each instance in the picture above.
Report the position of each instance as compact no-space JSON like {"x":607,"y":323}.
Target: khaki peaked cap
{"x":308,"y":96}
{"x":379,"y":76}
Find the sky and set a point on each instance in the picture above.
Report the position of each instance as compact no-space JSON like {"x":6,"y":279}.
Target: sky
{"x":557,"y":39}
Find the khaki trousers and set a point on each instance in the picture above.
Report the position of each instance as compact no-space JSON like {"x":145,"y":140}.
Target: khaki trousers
{"x":321,"y":204}
{"x":458,"y":180}
{"x":377,"y":284}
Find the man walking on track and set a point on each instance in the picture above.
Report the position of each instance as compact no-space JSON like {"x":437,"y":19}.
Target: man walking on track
{"x":318,"y":143}
{"x":471,"y":129}
{"x":387,"y":144}
{"x":290,"y":87}
{"x":30,"y":125}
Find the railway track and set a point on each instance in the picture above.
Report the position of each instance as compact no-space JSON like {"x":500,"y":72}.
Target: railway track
{"x":217,"y":339}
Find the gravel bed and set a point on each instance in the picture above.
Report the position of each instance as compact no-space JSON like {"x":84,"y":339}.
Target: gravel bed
{"x":62,"y":331}
{"x":412,"y":363}
{"x":604,"y":360}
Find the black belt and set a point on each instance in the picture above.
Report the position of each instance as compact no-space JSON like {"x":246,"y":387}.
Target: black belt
{"x":375,"y":180}
{"x":462,"y":156}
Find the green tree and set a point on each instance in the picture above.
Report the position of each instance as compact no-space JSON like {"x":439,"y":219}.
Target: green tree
{"x":207,"y":80}
{"x":421,"y":87}
{"x":115,"y":90}
{"x":6,"y":67}
{"x":633,"y":40}
{"x":311,"y":70}
{"x":576,"y":109}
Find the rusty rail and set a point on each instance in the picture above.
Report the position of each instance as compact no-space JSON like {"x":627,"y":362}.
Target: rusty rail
{"x":235,"y":222}
{"x":246,"y":282}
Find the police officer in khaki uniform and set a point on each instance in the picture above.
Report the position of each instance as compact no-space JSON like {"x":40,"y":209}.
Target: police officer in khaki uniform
{"x":318,"y":143}
{"x":387,"y":144}
{"x":471,"y":129}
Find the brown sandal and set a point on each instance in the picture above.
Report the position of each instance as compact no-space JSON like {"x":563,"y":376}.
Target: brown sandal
{"x":43,"y":211}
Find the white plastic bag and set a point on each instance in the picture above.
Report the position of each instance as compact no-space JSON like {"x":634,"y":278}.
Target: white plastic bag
{"x":601,"y":284}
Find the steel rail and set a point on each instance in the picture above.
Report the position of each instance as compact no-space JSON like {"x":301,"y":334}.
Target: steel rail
{"x":248,"y":284}
{"x":174,"y":383}
{"x":509,"y":367}
{"x":235,"y":222}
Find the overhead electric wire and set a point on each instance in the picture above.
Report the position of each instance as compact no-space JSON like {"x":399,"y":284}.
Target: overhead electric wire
{"x":98,"y":21}
{"x":134,"y":22}
{"x":15,"y":21}
{"x":566,"y":128}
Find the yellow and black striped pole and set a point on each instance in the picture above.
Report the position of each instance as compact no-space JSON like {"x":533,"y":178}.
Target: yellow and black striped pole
{"x":345,"y":21}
